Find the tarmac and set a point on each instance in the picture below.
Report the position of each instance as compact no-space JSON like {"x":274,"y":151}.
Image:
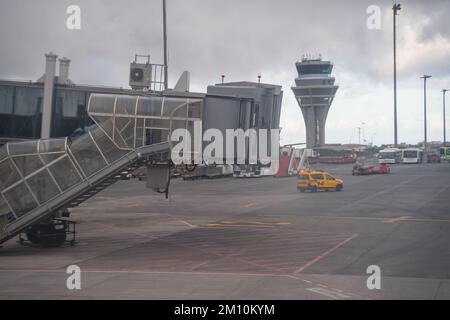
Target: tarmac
{"x":254,"y":238}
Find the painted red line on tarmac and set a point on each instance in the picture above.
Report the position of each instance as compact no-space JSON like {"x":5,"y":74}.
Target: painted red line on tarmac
{"x":211,"y":273}
{"x":326,"y":253}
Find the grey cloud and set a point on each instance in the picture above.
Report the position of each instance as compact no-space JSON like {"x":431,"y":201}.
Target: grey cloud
{"x":238,"y":38}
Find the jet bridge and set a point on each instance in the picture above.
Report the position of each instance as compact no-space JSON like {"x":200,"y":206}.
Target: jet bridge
{"x":40,"y":179}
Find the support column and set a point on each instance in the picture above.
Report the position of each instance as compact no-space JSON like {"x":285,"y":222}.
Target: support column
{"x":322,"y":113}
{"x":49,"y":82}
{"x":311,"y":126}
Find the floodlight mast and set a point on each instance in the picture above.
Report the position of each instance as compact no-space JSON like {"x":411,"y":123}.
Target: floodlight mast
{"x":443,"y":114}
{"x":165,"y":44}
{"x":425,"y":77}
{"x":395,"y":9}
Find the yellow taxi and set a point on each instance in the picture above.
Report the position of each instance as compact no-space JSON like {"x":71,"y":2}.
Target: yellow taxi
{"x":317,"y":180}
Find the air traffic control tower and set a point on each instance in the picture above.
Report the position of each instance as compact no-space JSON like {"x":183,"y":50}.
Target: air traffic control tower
{"x":314,"y":90}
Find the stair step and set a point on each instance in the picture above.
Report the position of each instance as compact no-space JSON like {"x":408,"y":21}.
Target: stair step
{"x":102,"y":185}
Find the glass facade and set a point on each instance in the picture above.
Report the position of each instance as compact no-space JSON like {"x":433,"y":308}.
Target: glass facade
{"x":6,"y":99}
{"x":304,"y":69}
{"x":69,"y":112}
{"x":312,"y":91}
{"x":21,"y":111}
{"x":308,"y":101}
{"x":314,"y":82}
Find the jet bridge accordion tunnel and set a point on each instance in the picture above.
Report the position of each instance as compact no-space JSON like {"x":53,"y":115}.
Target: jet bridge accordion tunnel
{"x":40,"y":179}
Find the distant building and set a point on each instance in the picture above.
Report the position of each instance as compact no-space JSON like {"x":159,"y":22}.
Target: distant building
{"x":432,"y":145}
{"x":314,"y":90}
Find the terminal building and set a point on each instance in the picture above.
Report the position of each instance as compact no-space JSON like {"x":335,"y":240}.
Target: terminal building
{"x":54,"y":106}
{"x":314,"y":90}
{"x":22,"y":104}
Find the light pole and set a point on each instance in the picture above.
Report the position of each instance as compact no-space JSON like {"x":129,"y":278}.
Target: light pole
{"x":363,"y":132}
{"x":425,"y":77}
{"x":443,"y":113}
{"x":371,"y":140}
{"x":395,"y":8}
{"x":359,"y":135}
{"x":166,"y":80}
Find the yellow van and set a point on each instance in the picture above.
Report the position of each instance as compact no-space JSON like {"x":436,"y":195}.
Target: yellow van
{"x":318,"y":181}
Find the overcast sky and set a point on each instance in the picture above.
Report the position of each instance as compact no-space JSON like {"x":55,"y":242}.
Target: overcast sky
{"x":241,"y":38}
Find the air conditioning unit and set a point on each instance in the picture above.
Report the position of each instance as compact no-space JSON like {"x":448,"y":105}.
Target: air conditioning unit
{"x":140,"y":75}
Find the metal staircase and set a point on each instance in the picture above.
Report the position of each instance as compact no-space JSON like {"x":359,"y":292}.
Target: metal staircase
{"x":40,"y":178}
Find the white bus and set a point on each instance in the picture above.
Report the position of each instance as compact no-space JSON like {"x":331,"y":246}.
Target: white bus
{"x":390,"y":155}
{"x":412,"y":155}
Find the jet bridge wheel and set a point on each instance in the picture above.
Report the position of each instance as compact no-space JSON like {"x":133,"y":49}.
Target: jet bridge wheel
{"x":48,"y":234}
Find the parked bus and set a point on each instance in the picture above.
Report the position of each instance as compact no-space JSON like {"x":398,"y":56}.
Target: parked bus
{"x":445,"y":153}
{"x":390,"y":155}
{"x":412,"y":155}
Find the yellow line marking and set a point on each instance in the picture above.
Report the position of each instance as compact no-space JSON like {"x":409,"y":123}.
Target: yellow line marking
{"x":401,"y":218}
{"x":248,"y":205}
{"x":256,"y":222}
{"x":212,"y":225}
{"x":215,"y":225}
{"x":429,"y":220}
{"x":246,"y":222}
{"x":382,"y":219}
{"x":268,"y":223}
{"x":228,"y":223}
